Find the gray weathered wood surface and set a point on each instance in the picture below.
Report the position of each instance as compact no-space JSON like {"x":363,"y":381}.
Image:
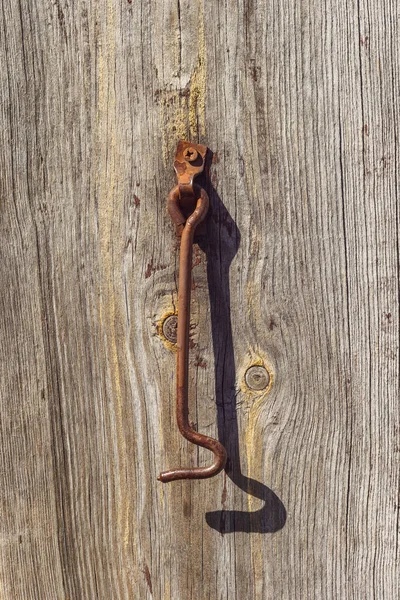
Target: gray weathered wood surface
{"x":300,"y":102}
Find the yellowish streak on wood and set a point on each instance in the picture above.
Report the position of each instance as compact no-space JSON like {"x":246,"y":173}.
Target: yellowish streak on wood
{"x":167,"y":592}
{"x":197,"y":96}
{"x":107,"y":195}
{"x":254,"y":398}
{"x":173,"y":110}
{"x":256,"y":462}
{"x":183,"y":112}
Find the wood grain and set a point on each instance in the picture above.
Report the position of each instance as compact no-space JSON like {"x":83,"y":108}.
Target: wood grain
{"x":300,"y":272}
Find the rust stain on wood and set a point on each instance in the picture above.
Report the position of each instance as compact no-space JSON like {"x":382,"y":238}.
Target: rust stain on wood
{"x":147,"y":576}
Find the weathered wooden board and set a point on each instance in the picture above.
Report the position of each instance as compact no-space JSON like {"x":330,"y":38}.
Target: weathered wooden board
{"x":299,"y":101}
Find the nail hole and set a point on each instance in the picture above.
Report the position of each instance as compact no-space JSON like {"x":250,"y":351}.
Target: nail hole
{"x":257,"y":378}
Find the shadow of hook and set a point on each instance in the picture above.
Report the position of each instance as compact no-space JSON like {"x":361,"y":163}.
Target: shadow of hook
{"x":220,"y":247}
{"x":269,"y":518}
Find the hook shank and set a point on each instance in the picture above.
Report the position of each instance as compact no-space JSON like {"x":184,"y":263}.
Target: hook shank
{"x":187,"y":230}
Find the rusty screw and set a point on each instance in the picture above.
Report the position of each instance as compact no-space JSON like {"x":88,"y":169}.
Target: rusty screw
{"x":190,"y":154}
{"x":170,"y":328}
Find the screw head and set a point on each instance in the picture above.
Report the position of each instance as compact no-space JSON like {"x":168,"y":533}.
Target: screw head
{"x":257,"y":378}
{"x":170,"y":328}
{"x":190,"y":154}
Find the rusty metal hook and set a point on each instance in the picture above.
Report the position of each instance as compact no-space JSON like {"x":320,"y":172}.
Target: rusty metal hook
{"x":188,"y":206}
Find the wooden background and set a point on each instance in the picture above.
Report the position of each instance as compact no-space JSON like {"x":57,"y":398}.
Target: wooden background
{"x":299,"y":101}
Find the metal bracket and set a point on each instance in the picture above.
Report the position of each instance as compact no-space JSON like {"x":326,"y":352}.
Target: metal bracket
{"x":189,"y":163}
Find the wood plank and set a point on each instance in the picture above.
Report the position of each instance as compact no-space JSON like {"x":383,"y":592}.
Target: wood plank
{"x":300,"y":105}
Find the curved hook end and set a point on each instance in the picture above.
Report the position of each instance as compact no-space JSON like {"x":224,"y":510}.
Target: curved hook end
{"x":199,"y":472}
